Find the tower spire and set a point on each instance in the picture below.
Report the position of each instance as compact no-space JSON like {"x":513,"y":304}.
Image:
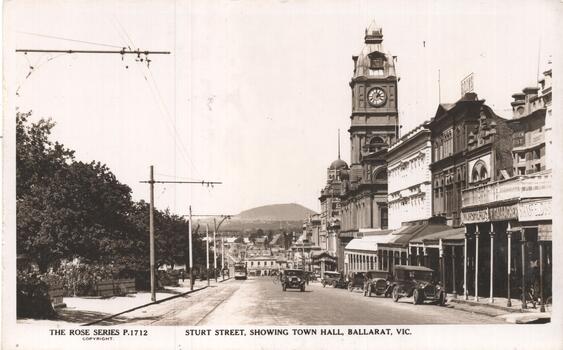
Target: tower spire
{"x":338,"y":143}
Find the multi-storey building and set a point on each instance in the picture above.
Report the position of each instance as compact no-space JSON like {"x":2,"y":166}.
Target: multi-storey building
{"x":330,"y":215}
{"x":410,"y":178}
{"x":471,"y":145}
{"x":531,"y":111}
{"x":509,"y":221}
{"x":311,"y":229}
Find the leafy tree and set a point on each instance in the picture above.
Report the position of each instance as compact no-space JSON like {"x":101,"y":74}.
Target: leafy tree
{"x":70,"y":209}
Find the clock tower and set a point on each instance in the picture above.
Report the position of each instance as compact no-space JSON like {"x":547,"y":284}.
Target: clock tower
{"x":374,"y":118}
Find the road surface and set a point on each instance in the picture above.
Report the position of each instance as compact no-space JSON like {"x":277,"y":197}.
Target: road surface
{"x":258,"y":301}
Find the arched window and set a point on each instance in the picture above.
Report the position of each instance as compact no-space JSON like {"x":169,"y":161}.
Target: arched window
{"x":376,"y":140}
{"x":484,"y":173}
{"x":479,"y":171}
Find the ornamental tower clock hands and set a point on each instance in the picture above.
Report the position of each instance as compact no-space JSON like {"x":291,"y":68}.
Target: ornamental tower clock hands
{"x":377,"y":97}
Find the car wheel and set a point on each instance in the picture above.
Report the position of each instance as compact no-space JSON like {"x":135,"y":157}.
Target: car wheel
{"x":395,"y":294}
{"x":415,"y":297}
{"x":442,"y":299}
{"x":334,"y":284}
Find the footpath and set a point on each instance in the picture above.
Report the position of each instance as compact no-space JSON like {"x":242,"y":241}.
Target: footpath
{"x":499,"y":309}
{"x":87,"y":310}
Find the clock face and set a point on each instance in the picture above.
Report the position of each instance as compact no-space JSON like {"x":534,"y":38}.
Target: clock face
{"x":377,"y":97}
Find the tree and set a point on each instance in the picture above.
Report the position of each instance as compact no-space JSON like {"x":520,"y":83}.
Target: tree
{"x":70,"y":209}
{"x":65,"y":209}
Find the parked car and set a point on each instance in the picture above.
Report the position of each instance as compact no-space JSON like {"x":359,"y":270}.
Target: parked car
{"x":418,"y":282}
{"x":334,"y":279}
{"x":294,"y":279}
{"x":378,"y":283}
{"x":356,"y":280}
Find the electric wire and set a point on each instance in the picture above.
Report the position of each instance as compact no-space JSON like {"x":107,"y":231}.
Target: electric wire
{"x":162,"y":105}
{"x":69,"y":39}
{"x":35,"y":68}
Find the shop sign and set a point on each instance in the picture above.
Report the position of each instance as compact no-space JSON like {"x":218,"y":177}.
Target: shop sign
{"x":536,"y":210}
{"x":506,"y":212}
{"x":469,"y":217}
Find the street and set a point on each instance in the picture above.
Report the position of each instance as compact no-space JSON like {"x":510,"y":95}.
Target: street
{"x":258,"y":301}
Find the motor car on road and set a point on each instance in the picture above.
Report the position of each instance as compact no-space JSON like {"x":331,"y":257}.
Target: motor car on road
{"x":378,"y":283}
{"x":294,"y":279}
{"x":418,"y":282}
{"x":334,"y":279}
{"x":356,"y":280}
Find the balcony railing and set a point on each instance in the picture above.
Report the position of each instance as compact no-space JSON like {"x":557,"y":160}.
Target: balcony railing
{"x":527,"y":186}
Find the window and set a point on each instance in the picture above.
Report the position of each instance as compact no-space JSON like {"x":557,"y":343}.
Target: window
{"x":521,"y":170}
{"x":484,"y":173}
{"x":376,"y":72}
{"x":536,"y":154}
{"x":537,"y":167}
{"x":384,"y":218}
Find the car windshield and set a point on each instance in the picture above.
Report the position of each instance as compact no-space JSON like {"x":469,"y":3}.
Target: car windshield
{"x":419,"y":275}
{"x":294,"y":273}
{"x":377,"y":274}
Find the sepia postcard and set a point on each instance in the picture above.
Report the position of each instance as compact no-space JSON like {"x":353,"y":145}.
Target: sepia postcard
{"x":239,"y":174}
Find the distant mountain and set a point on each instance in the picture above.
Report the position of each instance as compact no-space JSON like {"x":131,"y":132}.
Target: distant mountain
{"x":276,"y":212}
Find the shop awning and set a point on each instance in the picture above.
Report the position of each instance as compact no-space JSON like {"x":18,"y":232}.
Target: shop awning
{"x":368,"y":243}
{"x":455,"y":234}
{"x":410,"y":231}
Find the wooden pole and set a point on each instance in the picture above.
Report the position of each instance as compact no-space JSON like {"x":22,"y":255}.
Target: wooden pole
{"x":207,"y":251}
{"x":215,"y":251}
{"x":151,"y":233}
{"x":191,"y":250}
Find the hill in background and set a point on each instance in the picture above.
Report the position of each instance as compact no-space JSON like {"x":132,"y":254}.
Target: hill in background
{"x":276,"y":212}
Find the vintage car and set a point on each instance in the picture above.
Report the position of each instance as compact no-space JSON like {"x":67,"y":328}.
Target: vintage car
{"x":418,"y":282}
{"x":378,"y":283}
{"x":294,"y":279}
{"x":334,"y":279}
{"x":356,"y":280}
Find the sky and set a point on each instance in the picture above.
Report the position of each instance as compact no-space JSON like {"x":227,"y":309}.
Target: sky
{"x":253,"y":93}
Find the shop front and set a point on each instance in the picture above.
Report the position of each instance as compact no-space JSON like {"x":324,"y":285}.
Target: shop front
{"x":507,"y":242}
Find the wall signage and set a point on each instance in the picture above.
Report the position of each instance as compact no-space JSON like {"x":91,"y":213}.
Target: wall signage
{"x":467,"y":84}
{"x":535,"y":210}
{"x":507,"y":212}
{"x":481,"y":215}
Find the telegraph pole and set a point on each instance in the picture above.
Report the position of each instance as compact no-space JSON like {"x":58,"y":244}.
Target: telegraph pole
{"x":152,"y":181}
{"x":191,"y":250}
{"x":151,"y":232}
{"x":222,"y":257}
{"x":215,"y":249}
{"x":207,"y":250}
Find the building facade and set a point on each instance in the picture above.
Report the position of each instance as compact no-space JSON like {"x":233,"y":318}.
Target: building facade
{"x":508,"y":222}
{"x":410,"y":178}
{"x":470,"y":145}
{"x":330,"y":198}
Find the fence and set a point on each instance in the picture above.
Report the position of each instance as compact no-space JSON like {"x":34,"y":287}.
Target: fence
{"x":108,"y":288}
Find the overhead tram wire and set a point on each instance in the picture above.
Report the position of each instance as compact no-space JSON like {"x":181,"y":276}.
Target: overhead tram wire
{"x":69,"y":39}
{"x":162,"y":105}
